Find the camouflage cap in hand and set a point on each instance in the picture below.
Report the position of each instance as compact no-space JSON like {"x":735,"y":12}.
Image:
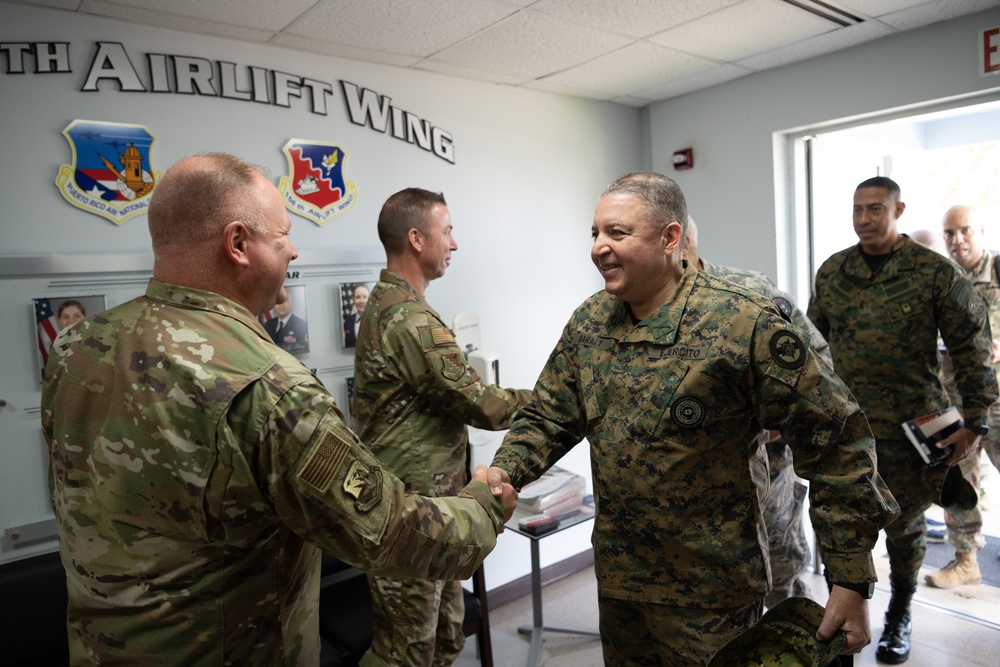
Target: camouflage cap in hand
{"x":784,"y":637}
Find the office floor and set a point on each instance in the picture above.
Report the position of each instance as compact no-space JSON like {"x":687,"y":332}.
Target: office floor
{"x":951,"y":628}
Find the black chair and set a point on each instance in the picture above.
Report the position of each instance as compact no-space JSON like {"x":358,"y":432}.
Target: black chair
{"x":33,"y":604}
{"x":346,"y":619}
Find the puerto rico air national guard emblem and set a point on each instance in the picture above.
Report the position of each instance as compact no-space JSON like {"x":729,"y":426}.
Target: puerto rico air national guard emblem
{"x":111,"y":175}
{"x":316,"y":188}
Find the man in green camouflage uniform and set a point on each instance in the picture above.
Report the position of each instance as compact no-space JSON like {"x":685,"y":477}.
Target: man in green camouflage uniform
{"x":880,"y":305}
{"x":195,"y":464}
{"x":414,"y":393}
{"x":788,"y":547}
{"x":964,"y":237}
{"x":671,"y":375}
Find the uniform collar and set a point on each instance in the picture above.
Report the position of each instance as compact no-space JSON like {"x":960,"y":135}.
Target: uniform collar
{"x":660,"y":326}
{"x":856,"y":268}
{"x":195,"y":299}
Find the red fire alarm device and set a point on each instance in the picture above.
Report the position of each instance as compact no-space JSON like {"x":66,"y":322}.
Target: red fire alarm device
{"x":684,"y":159}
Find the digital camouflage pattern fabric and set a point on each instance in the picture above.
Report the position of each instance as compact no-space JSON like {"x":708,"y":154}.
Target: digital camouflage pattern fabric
{"x":883,"y":333}
{"x":673,"y":408}
{"x":414,"y":394}
{"x":966,"y":534}
{"x":788,"y":547}
{"x":194,"y":466}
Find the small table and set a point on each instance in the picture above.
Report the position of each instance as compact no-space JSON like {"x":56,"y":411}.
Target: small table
{"x":537,"y":628}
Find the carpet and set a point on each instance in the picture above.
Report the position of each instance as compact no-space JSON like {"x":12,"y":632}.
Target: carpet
{"x":939,"y":555}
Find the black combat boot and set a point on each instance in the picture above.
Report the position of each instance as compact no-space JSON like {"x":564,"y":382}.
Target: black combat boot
{"x":894,"y":646}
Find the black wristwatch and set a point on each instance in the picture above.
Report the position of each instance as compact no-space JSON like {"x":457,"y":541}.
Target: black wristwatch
{"x":866,"y":590}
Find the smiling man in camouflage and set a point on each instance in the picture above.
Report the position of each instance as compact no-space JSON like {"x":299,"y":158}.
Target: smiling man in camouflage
{"x":672,"y":375}
{"x":196,"y":466}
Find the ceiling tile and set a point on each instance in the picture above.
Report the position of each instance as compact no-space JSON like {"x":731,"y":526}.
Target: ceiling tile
{"x":71,"y":5}
{"x":706,"y":79}
{"x":532,"y":45}
{"x":635,"y":67}
{"x":744,"y":30}
{"x":176,"y":22}
{"x":639,"y":18}
{"x":820,"y":45}
{"x":260,"y":14}
{"x":415,"y":27}
{"x":877,"y":8}
{"x":546,"y":86}
{"x":440,"y":67}
{"x":341,"y":51}
{"x":932,"y":12}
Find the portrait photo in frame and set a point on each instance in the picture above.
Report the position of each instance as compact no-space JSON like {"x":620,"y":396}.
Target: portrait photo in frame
{"x":288,"y":323}
{"x":55,"y":313}
{"x":353,"y":299}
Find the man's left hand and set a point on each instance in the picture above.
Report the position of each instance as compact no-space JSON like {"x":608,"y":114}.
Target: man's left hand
{"x":847,"y":612}
{"x":965,"y":441}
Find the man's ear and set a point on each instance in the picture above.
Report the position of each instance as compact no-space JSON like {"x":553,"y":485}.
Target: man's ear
{"x":900,"y":207}
{"x":235,"y":239}
{"x":672,"y":236}
{"x":415,"y":239}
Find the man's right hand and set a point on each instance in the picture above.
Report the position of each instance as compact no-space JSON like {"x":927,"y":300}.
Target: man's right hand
{"x":499,"y":482}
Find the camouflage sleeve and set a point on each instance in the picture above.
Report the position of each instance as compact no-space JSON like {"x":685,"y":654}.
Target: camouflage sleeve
{"x":816,"y":340}
{"x":429,"y":359}
{"x":963,"y":322}
{"x":328,"y":488}
{"x":815,"y":312}
{"x":549,"y":426}
{"x":831,"y":443}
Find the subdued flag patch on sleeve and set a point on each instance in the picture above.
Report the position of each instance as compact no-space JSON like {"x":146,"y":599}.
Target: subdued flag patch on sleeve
{"x":442,"y":336}
{"x":324,"y":462}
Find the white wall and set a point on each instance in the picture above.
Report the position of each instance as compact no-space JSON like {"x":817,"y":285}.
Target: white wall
{"x":731,"y":191}
{"x":529,"y":169}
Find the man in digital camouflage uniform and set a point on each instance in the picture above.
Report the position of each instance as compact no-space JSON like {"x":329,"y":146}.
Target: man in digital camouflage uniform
{"x":671,"y":374}
{"x":880,"y":305}
{"x":195,"y":464}
{"x":788,"y":546}
{"x":414,"y":393}
{"x":964,"y":237}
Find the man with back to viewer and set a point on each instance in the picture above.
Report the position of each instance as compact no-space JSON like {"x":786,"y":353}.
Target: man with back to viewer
{"x":414,"y":393}
{"x":964,"y":237}
{"x":671,"y":375}
{"x":194,"y":464}
{"x":881,"y":305}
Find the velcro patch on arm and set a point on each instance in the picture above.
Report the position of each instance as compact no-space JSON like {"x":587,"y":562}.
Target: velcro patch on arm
{"x":442,"y":336}
{"x":324,"y":462}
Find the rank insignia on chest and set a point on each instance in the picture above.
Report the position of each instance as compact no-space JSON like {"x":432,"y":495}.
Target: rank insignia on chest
{"x":364,"y":483}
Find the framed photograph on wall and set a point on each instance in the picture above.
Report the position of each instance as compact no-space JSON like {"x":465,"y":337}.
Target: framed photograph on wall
{"x":55,"y":313}
{"x":353,"y":299}
{"x":288,"y":323}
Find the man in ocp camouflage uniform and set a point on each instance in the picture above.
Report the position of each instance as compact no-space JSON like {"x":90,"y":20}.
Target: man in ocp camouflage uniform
{"x":881,"y":305}
{"x":671,"y":374}
{"x":196,"y":466}
{"x":964,"y":237}
{"x":788,"y":546}
{"x":414,"y":393}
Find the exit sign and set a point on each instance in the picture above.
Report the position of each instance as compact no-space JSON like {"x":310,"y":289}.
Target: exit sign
{"x":989,"y":51}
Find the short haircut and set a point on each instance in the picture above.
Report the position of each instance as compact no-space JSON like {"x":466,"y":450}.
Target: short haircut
{"x":661,"y":197}
{"x":194,"y":202}
{"x":407,"y":209}
{"x":889,"y":185}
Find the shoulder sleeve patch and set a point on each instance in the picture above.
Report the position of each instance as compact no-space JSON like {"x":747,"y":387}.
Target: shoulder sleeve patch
{"x":364,"y":483}
{"x":452,"y":366}
{"x":324,"y":462}
{"x":787,"y":350}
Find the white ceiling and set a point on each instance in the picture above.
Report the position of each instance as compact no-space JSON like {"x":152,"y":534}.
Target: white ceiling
{"x":627,"y":51}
